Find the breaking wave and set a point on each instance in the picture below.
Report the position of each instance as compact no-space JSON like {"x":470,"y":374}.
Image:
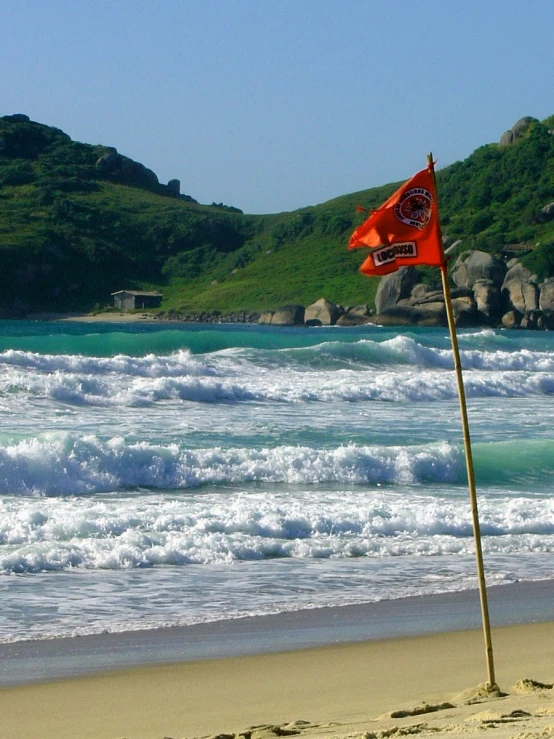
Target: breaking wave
{"x":68,"y":464}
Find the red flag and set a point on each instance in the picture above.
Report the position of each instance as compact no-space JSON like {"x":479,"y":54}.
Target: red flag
{"x":404,"y":231}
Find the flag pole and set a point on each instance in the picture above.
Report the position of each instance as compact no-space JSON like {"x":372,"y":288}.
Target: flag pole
{"x":491,"y":683}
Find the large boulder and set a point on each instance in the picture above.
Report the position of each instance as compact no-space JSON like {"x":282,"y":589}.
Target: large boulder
{"x":174,"y":187}
{"x":465,"y":311}
{"x":547,"y":211}
{"x":487,"y":298}
{"x":434,"y":296}
{"x":516,"y":131}
{"x":512,"y":319}
{"x":288,"y":315}
{"x":395,"y":287}
{"x":531,"y":320}
{"x":322,"y":313}
{"x":545,"y":321}
{"x":419,"y":291}
{"x":356,"y":315}
{"x":125,"y":170}
{"x":546,"y":299}
{"x":516,"y":270}
{"x":520,"y":295}
{"x":430,"y":314}
{"x":476,"y":265}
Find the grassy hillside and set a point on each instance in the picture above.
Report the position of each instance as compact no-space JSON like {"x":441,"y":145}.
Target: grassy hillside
{"x":78,"y":222}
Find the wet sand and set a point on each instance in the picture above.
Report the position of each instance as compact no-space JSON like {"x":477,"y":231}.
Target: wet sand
{"x":286,"y":673}
{"x":361,"y":690}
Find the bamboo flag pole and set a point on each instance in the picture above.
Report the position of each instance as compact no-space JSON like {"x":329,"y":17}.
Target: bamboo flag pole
{"x":491,"y":684}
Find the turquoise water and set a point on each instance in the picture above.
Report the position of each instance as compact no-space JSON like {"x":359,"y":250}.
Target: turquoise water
{"x":155,"y":474}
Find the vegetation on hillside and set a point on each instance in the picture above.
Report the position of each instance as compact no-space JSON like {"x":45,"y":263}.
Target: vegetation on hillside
{"x":72,"y":230}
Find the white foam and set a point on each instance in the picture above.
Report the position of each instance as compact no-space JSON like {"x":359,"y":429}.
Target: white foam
{"x":122,"y":533}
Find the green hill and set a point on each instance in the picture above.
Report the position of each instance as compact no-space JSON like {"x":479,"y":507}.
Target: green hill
{"x":78,"y":222}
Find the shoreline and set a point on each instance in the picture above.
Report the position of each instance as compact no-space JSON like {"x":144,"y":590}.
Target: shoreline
{"x":369,"y":690}
{"x":25,"y":662}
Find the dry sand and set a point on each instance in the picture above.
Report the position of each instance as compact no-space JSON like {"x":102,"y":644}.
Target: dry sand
{"x":112,"y":317}
{"x":422,"y":685}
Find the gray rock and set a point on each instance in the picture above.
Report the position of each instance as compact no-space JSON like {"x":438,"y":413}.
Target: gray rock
{"x":518,"y":271}
{"x":465,"y":311}
{"x":546,"y":322}
{"x":546,"y":299}
{"x":519,"y":128}
{"x":487,"y":298}
{"x":321,"y":313}
{"x":356,"y":315}
{"x":419,"y":290}
{"x":548,"y":211}
{"x":531,"y":319}
{"x":521,"y":295}
{"x":174,"y":186}
{"x":476,"y":265}
{"x":512,"y":319}
{"x":437,"y":296}
{"x":516,"y":131}
{"x":395,"y":287}
{"x":289,"y":315}
{"x":506,"y":139}
{"x":431,"y":314}
{"x":125,"y":170}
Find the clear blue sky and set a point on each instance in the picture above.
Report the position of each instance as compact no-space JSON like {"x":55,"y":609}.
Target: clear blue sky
{"x":273,"y":105}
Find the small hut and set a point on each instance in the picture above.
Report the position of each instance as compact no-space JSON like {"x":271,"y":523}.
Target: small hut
{"x":136,"y":300}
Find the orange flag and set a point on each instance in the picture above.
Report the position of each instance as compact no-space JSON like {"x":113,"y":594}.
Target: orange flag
{"x":404,"y":231}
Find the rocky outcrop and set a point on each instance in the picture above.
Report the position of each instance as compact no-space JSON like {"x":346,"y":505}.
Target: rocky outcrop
{"x":511,"y":319}
{"x":516,"y":131}
{"x":395,"y":287}
{"x":476,"y":265}
{"x":322,"y":313}
{"x":288,"y":315}
{"x":430,"y":314}
{"x":516,"y":270}
{"x":355,"y":315}
{"x":125,"y":170}
{"x":174,"y":187}
{"x":520,"y":295}
{"x":465,"y":311}
{"x":546,"y":298}
{"x":488,"y":293}
{"x":487,"y":300}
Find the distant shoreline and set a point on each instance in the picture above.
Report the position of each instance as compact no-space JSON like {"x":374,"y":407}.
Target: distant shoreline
{"x":141,"y":317}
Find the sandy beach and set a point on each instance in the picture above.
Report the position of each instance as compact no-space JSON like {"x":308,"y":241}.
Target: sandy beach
{"x":108,"y":317}
{"x":334,"y":672}
{"x":419,"y":685}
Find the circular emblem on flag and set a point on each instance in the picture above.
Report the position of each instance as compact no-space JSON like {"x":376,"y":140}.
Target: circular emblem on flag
{"x":414,"y":207}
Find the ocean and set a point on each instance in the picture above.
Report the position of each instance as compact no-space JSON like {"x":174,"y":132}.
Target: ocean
{"x":169,"y":474}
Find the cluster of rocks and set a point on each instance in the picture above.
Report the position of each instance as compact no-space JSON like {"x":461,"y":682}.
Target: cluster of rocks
{"x":126,"y":171}
{"x":321,"y":313}
{"x":208,"y":317}
{"x":489,"y":292}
